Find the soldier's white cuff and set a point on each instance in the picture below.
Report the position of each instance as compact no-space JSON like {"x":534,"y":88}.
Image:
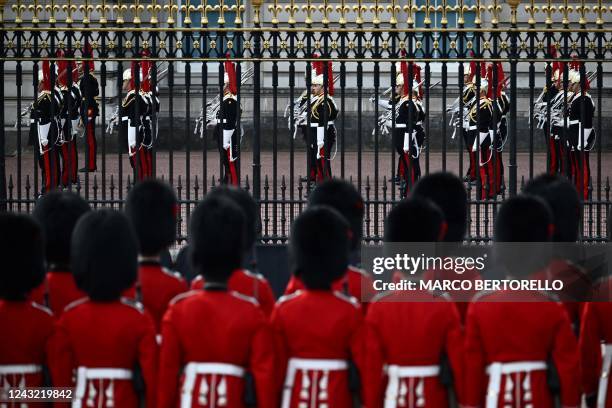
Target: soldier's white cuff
{"x":43,"y":133}
{"x":320,"y":136}
{"x":131,"y":136}
{"x":227,"y":138}
{"x":406,"y":142}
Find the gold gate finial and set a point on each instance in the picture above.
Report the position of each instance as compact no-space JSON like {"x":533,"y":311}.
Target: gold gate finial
{"x":257,"y":6}
{"x":18,"y":10}
{"x":187,"y":8}
{"x":86,"y":9}
{"x":171,"y":8}
{"x":136,"y":8}
{"x":69,"y":9}
{"x":599,"y":9}
{"x":35,"y":9}
{"x":102,"y":9}
{"x":513,"y":6}
{"x":154,"y":10}
{"x":120,"y":9}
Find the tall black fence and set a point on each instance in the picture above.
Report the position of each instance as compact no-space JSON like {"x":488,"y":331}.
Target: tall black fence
{"x":273,"y":46}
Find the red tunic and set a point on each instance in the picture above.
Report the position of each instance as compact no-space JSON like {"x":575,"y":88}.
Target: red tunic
{"x":116,"y":335}
{"x":158,"y":286}
{"x":249,"y":284}
{"x":318,"y":325}
{"x":412,"y":330}
{"x":596,"y":329}
{"x":220,"y":327}
{"x":26,"y":327}
{"x":502,"y":331}
{"x":61,"y":290}
{"x":356,"y":283}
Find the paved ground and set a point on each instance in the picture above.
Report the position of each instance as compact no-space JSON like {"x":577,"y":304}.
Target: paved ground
{"x":187,"y":172}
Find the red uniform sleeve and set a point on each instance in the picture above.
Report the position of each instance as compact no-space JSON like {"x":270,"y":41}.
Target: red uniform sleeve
{"x":590,"y":357}
{"x":169,"y":363}
{"x":263,"y":366}
{"x":358,"y":350}
{"x":281,"y":348}
{"x":266,"y":298}
{"x":294,"y":285}
{"x":474,"y":360}
{"x":565,"y":357}
{"x":373,"y":378}
{"x":60,"y":359}
{"x":455,"y":350}
{"x":147,"y":358}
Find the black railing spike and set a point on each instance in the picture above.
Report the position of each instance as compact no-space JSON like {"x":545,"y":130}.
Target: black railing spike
{"x":10,"y":183}
{"x":247,"y":184}
{"x":129,"y":183}
{"x":522,"y":183}
{"x":212,"y":181}
{"x":27,"y":185}
{"x":196,"y":187}
{"x":78,"y":186}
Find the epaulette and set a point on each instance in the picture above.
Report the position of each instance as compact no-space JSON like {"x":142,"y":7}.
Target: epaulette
{"x":134,"y":304}
{"x":380,"y":296}
{"x":481,"y":294}
{"x":173,"y":274}
{"x":349,"y":299}
{"x":230,"y":96}
{"x":246,"y":298}
{"x":42,"y":308}
{"x":290,"y":296}
{"x":254,"y":275}
{"x":43,"y":95}
{"x":183,"y":296}
{"x":74,"y":304}
{"x":358,"y":270}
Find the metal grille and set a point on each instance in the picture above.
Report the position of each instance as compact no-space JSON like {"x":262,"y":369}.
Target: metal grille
{"x":189,"y":41}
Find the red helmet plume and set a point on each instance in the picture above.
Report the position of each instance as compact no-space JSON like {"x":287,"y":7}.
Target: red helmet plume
{"x":145,"y":66}
{"x":230,"y":76}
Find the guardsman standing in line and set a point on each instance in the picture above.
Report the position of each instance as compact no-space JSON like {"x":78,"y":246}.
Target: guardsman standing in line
{"x":100,"y":339}
{"x":319,"y":332}
{"x":581,"y":132}
{"x":131,"y":121}
{"x":245,"y":280}
{"x":69,"y":118}
{"x":323,"y":111}
{"x":89,"y":108}
{"x":152,"y":209}
{"x":416,"y":116}
{"x":44,"y":127}
{"x":480,"y":120}
{"x":58,"y":213}
{"x":26,"y":325}
{"x":228,"y":136}
{"x":215,"y":339}
{"x":401,"y":137}
{"x":501,"y":368}
{"x":343,"y":197}
{"x":411,"y":333}
{"x":501,"y":106}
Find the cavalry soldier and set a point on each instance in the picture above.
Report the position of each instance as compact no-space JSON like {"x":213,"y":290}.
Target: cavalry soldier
{"x":57,"y":213}
{"x":89,"y":108}
{"x":152,"y":207}
{"x":44,"y":128}
{"x":101,"y":338}
{"x":480,"y":130}
{"x":501,"y":106}
{"x":415,"y":118}
{"x":149,"y":124}
{"x":319,"y":332}
{"x":468,"y":95}
{"x":410,"y":332}
{"x":581,"y":135}
{"x":132,"y":108}
{"x":322,"y":113}
{"x":556,"y":148}
{"x":67,"y":81}
{"x":26,"y":325}
{"x":227,"y":133}
{"x":502,"y":369}
{"x":215,"y":339}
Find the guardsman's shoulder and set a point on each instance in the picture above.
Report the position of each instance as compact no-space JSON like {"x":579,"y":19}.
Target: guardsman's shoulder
{"x":183,"y":296}
{"x":289,"y":297}
{"x":133,"y":304}
{"x":348,"y":299}
{"x":244,"y":298}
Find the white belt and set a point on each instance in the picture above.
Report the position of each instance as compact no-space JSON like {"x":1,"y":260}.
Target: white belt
{"x":124,"y":118}
{"x":496,"y":370}
{"x":473,"y":127}
{"x":32,"y":120}
{"x":573,"y":122}
{"x":419,"y":123}
{"x":305,"y":364}
{"x":193,"y":369}
{"x":400,"y":125}
{"x":315,"y":124}
{"x":84,"y":374}
{"x":396,"y":373}
{"x":604,"y":378}
{"x":20,"y":369}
